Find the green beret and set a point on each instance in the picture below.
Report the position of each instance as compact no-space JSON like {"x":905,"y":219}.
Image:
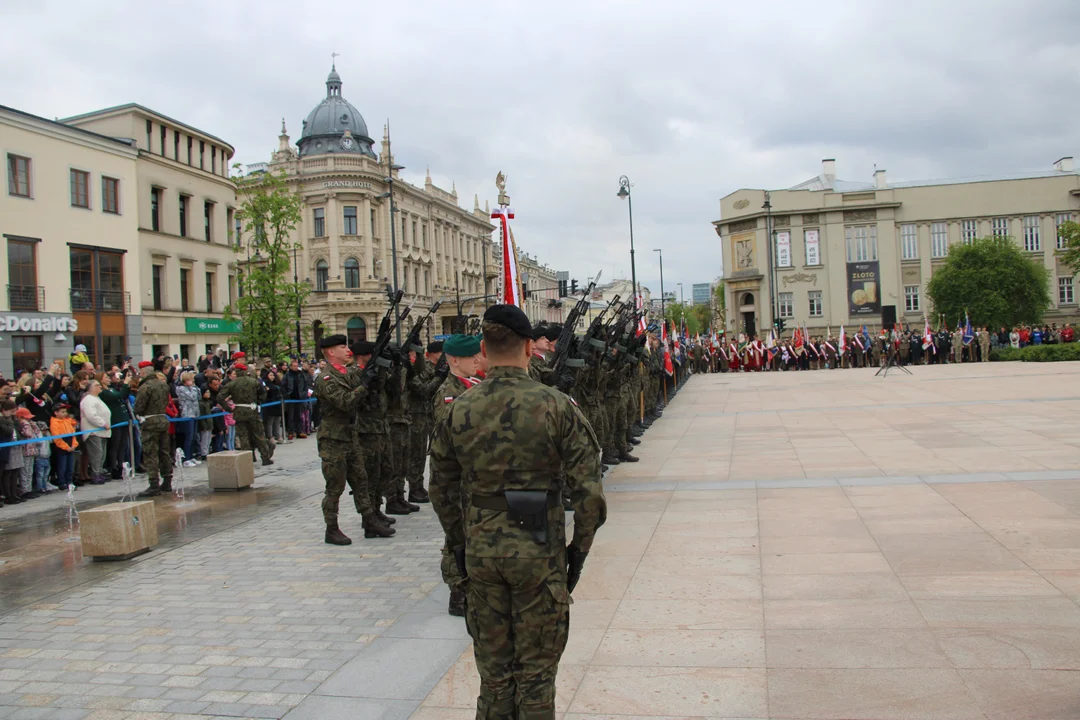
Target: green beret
{"x":461,"y":345}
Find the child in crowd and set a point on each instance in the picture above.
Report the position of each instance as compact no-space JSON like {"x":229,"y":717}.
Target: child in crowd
{"x":10,"y":456}
{"x":64,"y":451}
{"x":28,"y":430}
{"x":42,"y":467}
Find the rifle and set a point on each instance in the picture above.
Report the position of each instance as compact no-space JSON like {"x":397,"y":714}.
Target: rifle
{"x":566,"y":337}
{"x":596,"y":327}
{"x":387,"y":327}
{"x":412,"y":342}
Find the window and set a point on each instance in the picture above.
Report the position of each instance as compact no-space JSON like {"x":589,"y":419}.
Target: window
{"x":939,"y":240}
{"x":911,"y":298}
{"x":1032,"y":242}
{"x":80,"y":189}
{"x":164,"y":134}
{"x":213,"y":159}
{"x":26,"y":352}
{"x":350,"y":220}
{"x":787,"y":305}
{"x":211,"y":280}
{"x":414,"y":232}
{"x":815,"y":303}
{"x":176,"y":146}
{"x":322,"y":275}
{"x":110,"y":195}
{"x":404,"y":236}
{"x":239,"y":231}
{"x":1065,"y":291}
{"x":909,"y":242}
{"x":157,"y":273}
{"x":18,"y":176}
{"x":811,"y":239}
{"x":185,"y":288}
{"x":189,"y":143}
{"x":352,"y":273}
{"x":232,"y":290}
{"x":423,"y":235}
{"x":202,"y":154}
{"x":416,"y":281}
{"x":861,"y":242}
{"x":1060,"y":220}
{"x":149,"y":136}
{"x":373,"y":222}
{"x":97,"y":280}
{"x":155,"y":209}
{"x":969,"y":230}
{"x":783,"y":249}
{"x":320,"y":222}
{"x":183,"y":215}
{"x":22,"y":276}
{"x":208,"y":218}
{"x":1000,"y":227}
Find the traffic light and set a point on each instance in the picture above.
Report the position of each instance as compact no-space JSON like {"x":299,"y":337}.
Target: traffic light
{"x":562,"y":288}
{"x":780,"y":325}
{"x":573,"y":287}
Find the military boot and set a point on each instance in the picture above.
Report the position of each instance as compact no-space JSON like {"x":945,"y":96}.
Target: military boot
{"x":418,"y":495}
{"x":375,"y":528}
{"x":627,"y":457}
{"x":153,"y":491}
{"x":398,"y":506}
{"x":635,"y":441}
{"x":267,"y":461}
{"x":611,"y":459}
{"x":457,"y":603}
{"x":334,"y":536}
{"x":383,"y":517}
{"x":166,"y":485}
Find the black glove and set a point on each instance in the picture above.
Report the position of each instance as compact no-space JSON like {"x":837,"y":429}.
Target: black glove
{"x":575,"y":560}
{"x":459,"y":558}
{"x":565,"y":382}
{"x":442,"y":371}
{"x":368,"y":375}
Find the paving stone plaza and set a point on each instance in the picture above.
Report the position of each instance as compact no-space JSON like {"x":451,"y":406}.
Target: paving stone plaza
{"x":792,"y":545}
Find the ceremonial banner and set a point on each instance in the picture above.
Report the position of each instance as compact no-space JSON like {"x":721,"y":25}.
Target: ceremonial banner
{"x":510,"y":286}
{"x":864,"y":296}
{"x":813,"y":251}
{"x":783,"y":249}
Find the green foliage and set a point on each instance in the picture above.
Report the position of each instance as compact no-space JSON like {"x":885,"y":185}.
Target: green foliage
{"x":1060,"y":352}
{"x":720,"y":299}
{"x":269,"y":304}
{"x":992,"y":280}
{"x":678,"y":311}
{"x":1070,"y":233}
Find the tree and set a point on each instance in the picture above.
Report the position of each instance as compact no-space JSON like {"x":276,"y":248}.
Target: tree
{"x":678,"y":312}
{"x":704,"y":316}
{"x":720,"y":300}
{"x":1070,"y":234}
{"x":992,"y":281}
{"x":269,"y":302}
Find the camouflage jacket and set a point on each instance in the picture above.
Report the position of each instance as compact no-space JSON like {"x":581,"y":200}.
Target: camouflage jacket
{"x":371,"y":411}
{"x":541,"y":371}
{"x":397,"y":412}
{"x":450,"y":389}
{"x":338,"y":393}
{"x":512,"y":433}
{"x":244,"y":390}
{"x":424,"y":387}
{"x":150,"y":403}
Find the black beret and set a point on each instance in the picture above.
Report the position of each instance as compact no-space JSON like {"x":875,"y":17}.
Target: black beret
{"x":539,"y":330}
{"x":330,"y":341}
{"x":552,"y":332}
{"x":435,"y":347}
{"x":362,"y":347}
{"x":512,"y":317}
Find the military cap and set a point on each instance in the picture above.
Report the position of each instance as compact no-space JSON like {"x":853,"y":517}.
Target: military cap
{"x":435,"y":346}
{"x":362,"y":347}
{"x":512,"y":317}
{"x":553,"y":331}
{"x":461,"y":345}
{"x":333,"y":341}
{"x":539,"y":330}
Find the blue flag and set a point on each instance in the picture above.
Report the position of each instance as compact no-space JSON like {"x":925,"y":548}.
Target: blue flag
{"x":968,"y":334}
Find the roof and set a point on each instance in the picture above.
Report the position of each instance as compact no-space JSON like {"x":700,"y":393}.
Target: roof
{"x":148,"y":111}
{"x":832,"y":184}
{"x":58,"y":123}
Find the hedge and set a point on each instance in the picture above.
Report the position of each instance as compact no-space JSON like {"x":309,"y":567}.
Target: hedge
{"x":1038,"y":353}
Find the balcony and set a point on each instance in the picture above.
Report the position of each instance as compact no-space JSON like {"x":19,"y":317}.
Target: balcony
{"x":106,"y":301}
{"x":26,"y":297}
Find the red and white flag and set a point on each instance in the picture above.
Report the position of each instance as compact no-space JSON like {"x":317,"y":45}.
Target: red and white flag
{"x":928,"y":338}
{"x":511,"y":285}
{"x":668,"y":367}
{"x":843,"y":340}
{"x":639,"y":302}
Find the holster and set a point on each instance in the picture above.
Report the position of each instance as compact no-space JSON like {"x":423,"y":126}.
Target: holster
{"x":527,"y":509}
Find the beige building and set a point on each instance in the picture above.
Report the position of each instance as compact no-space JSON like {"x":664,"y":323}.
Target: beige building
{"x":540,"y":285}
{"x":185,"y":213}
{"x":857,"y":253}
{"x":606,"y":292}
{"x":69,"y":217}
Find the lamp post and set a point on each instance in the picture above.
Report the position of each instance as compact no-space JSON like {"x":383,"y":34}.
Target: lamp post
{"x":769,"y":230}
{"x":663,"y":314}
{"x":389,"y":180}
{"x":624,"y":192}
{"x":296,"y":290}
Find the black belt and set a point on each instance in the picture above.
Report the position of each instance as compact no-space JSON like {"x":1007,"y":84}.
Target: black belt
{"x":498,"y":502}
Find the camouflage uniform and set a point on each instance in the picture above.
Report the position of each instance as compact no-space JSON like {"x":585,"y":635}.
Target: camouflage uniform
{"x":512,"y":433}
{"x":450,"y":389}
{"x":150,"y":403}
{"x":421,"y":395}
{"x":246,"y":394}
{"x":541,"y":371}
{"x":374,"y":436}
{"x":399,"y":422}
{"x":342,"y":461}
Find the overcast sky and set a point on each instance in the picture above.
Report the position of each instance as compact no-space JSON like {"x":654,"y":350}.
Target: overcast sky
{"x":691,"y":100}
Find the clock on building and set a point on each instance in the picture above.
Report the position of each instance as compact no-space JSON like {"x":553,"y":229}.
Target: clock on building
{"x":347,"y":142}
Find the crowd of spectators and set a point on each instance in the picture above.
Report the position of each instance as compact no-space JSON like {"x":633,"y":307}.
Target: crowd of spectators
{"x":72,"y":420}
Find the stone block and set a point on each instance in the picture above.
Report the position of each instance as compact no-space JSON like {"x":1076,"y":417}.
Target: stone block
{"x":231,"y":470}
{"x":118,"y":531}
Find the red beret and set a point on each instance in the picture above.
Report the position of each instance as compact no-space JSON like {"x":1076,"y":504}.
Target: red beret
{"x":239,"y":354}
{"x":145,"y":363}
{"x":239,"y":366}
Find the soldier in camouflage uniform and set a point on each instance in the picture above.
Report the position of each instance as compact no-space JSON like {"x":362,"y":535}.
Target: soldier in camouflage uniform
{"x":339,"y":389}
{"x":373,"y":431}
{"x":399,"y":421}
{"x":504,"y":451}
{"x":462,"y":353}
{"x":420,"y":410}
{"x":247,"y":393}
{"x":540,"y":368}
{"x":150,"y":403}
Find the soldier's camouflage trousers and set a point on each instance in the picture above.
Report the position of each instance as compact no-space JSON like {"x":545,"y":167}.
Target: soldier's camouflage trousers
{"x":450,"y":573}
{"x":518,"y":614}
{"x":155,"y":449}
{"x":249,"y":433}
{"x":400,"y":442}
{"x":343,"y":464}
{"x":378,"y":464}
{"x":419,"y":437}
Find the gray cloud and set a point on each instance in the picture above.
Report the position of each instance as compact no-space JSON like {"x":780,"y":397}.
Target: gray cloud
{"x":691,"y":100}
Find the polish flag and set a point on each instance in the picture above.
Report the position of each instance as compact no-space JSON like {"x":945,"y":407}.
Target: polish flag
{"x":668,"y":367}
{"x":928,"y":337}
{"x":511,"y":286}
{"x":843,"y":340}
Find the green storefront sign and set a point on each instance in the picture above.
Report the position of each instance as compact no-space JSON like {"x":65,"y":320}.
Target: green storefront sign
{"x":211,"y":325}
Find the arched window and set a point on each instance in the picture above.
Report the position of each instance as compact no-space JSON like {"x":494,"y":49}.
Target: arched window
{"x":352,"y":273}
{"x":322,"y":275}
{"x":356,"y":329}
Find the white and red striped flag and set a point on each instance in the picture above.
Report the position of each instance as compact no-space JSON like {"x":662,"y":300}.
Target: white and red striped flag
{"x":639,"y":302}
{"x":843,"y":340}
{"x":668,"y":367}
{"x":509,"y":278}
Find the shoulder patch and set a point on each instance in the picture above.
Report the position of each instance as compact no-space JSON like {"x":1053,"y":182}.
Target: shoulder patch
{"x":448,"y":399}
{"x":573,"y":400}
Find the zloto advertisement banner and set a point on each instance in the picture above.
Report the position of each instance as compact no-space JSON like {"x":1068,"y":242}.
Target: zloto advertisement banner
{"x":864,"y":289}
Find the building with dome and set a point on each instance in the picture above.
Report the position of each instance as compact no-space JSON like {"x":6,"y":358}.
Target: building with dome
{"x":443,"y":250}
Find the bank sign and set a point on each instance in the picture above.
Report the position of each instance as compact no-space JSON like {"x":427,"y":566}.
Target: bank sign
{"x":19,"y":323}
{"x":211,"y":325}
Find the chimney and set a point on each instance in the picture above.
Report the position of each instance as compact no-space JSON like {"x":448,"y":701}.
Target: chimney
{"x":879,"y":180}
{"x":1065,"y":164}
{"x":828,"y":167}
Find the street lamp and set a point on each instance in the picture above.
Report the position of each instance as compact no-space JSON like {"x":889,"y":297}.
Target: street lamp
{"x":624,"y":192}
{"x":296,"y":290}
{"x":389,"y":180}
{"x":663,"y":315}
{"x":769,"y":231}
